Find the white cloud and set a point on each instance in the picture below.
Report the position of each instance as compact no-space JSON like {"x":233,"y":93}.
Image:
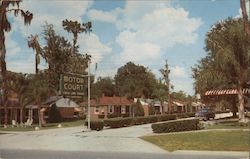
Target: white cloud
{"x":105,"y":16}
{"x":146,"y":29}
{"x":91,"y":44}
{"x":184,"y":85}
{"x":134,"y":50}
{"x":11,"y":45}
{"x":178,"y":72}
{"x":24,"y":64}
{"x":53,"y":12}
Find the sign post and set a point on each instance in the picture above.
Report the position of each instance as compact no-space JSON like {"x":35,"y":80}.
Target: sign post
{"x":72,"y":86}
{"x":88,"y":95}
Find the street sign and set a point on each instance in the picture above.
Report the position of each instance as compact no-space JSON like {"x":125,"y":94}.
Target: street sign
{"x":72,"y":86}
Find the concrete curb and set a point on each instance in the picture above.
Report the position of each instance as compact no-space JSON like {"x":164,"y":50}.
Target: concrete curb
{"x":222,"y":153}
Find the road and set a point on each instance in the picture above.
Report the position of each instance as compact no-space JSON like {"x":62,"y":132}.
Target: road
{"x":73,"y":143}
{"x":34,"y":154}
{"x":73,"y":139}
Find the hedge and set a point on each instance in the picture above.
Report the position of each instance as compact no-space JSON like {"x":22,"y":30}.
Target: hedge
{"x":96,"y":125}
{"x":166,"y":117}
{"x":176,"y":126}
{"x":128,"y":121}
{"x":119,"y":122}
{"x":123,"y":122}
{"x":101,"y":116}
{"x":185,"y":115}
{"x":112,"y":116}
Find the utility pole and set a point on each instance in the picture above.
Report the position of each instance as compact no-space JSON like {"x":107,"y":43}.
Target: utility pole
{"x":88,"y":94}
{"x":245,"y":17}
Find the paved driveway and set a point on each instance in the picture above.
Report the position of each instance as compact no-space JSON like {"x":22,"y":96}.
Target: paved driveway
{"x":73,"y":139}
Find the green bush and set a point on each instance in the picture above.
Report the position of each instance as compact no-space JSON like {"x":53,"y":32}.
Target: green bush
{"x":125,"y":115}
{"x":166,"y":117}
{"x":82,"y":116}
{"x":138,"y":109}
{"x":151,"y":110}
{"x":119,"y":122}
{"x":112,"y":116}
{"x":176,"y":126}
{"x":152,"y":119}
{"x":101,"y":116}
{"x":123,"y":122}
{"x":141,"y":120}
{"x":54,"y":114}
{"x":95,"y":125}
{"x":247,"y":115}
{"x":190,"y":114}
{"x":181,"y":115}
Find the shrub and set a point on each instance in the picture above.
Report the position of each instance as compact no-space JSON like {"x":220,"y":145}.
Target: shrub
{"x":101,"y":116}
{"x":95,"y":125}
{"x":82,"y":116}
{"x":176,"y":126}
{"x":247,"y":115}
{"x":138,"y":109}
{"x":125,"y":115}
{"x":112,"y":116}
{"x":152,"y":119}
{"x":141,"y":120}
{"x":166,"y":117}
{"x":119,"y":122}
{"x":151,"y":110}
{"x":181,"y":115}
{"x":184,"y":115}
{"x":190,"y":114}
{"x":54,"y":114}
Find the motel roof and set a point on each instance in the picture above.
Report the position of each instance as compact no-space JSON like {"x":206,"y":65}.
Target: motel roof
{"x":226,"y":92}
{"x":105,"y":101}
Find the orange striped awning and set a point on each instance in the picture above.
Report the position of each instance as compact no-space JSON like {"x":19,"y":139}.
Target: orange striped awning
{"x":226,"y":92}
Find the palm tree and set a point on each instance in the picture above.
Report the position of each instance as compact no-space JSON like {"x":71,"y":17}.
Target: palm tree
{"x":19,"y":85}
{"x":5,"y":26}
{"x":165,"y":73}
{"x":75,"y":28}
{"x":34,"y":44}
{"x":39,"y":92}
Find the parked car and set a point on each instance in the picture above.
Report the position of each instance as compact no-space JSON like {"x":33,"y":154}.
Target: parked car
{"x":205,"y":114}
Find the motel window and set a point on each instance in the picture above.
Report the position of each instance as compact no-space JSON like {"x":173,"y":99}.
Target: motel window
{"x":111,"y":108}
{"x":97,"y":110}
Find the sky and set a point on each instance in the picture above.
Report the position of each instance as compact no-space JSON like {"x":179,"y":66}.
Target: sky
{"x":144,"y":32}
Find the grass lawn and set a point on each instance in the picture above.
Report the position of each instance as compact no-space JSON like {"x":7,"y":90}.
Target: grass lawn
{"x":47,"y":126}
{"x":236,"y":140}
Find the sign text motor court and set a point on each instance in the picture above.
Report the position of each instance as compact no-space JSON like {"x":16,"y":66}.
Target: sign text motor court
{"x":72,"y":83}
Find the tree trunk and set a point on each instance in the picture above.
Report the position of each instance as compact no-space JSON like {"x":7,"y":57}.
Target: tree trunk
{"x":3,"y":70}
{"x":169,"y":104}
{"x":234,"y":107}
{"x":162,"y":110}
{"x":244,"y":14}
{"x":39,"y":116}
{"x":21,"y":116}
{"x":36,"y":63}
{"x":241,"y":110}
